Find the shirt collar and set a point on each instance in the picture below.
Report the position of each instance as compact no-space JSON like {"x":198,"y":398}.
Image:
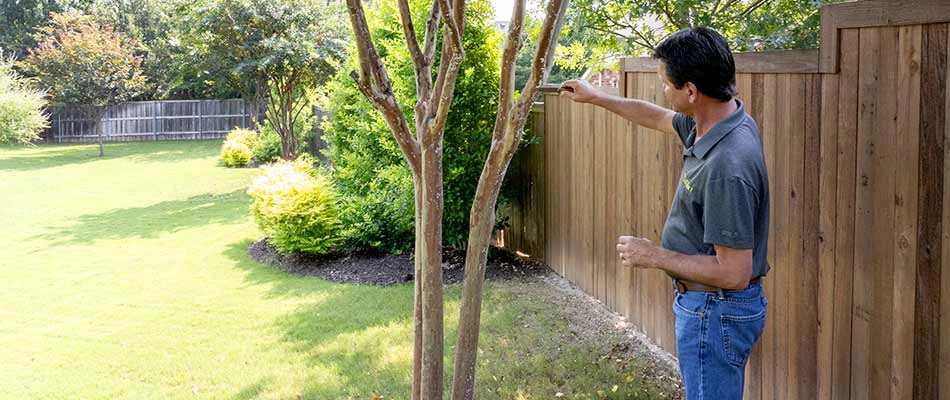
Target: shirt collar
{"x":719,"y":131}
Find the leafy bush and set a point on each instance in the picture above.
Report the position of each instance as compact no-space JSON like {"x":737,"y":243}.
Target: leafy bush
{"x":360,"y":146}
{"x":236,"y":149}
{"x":384,"y":218}
{"x":21,"y":107}
{"x":267,"y":148}
{"x":296,"y":206}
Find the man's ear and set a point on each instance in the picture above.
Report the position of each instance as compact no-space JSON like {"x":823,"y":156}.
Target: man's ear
{"x":692,"y":93}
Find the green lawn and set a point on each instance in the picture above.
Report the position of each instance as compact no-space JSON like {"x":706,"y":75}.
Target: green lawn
{"x":127,"y":277}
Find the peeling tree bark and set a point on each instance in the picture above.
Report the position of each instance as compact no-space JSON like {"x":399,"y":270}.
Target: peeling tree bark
{"x":509,"y":124}
{"x":423,"y":153}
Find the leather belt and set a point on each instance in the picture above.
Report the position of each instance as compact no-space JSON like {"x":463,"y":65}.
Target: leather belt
{"x":684,"y":286}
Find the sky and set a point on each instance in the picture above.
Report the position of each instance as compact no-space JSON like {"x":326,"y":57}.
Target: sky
{"x":503,"y":9}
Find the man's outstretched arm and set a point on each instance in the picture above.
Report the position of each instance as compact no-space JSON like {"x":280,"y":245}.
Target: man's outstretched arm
{"x":640,"y":112}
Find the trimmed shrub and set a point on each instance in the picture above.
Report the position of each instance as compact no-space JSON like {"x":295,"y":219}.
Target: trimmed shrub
{"x":383,"y":218}
{"x":236,"y":149}
{"x":21,"y":107}
{"x":296,"y":206}
{"x":267,"y":148}
{"x":360,"y":146}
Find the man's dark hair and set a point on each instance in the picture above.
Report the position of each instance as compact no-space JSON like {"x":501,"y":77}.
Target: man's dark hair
{"x":701,"y":56}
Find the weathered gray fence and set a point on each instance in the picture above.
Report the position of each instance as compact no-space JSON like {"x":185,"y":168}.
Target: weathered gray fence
{"x":151,"y":120}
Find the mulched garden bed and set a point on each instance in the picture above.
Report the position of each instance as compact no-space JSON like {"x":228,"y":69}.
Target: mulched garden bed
{"x":386,"y":269}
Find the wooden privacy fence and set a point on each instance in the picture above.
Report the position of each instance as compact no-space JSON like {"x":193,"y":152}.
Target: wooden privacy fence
{"x":855,"y":139}
{"x":152,"y":120}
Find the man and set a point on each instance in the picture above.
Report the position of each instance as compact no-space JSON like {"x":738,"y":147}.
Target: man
{"x":714,"y":240}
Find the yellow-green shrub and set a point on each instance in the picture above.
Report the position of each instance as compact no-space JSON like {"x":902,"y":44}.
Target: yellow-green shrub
{"x":296,"y":206}
{"x":238,"y":146}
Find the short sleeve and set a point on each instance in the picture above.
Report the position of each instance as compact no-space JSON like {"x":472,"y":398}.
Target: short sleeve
{"x":729,"y":213}
{"x":683,"y":125}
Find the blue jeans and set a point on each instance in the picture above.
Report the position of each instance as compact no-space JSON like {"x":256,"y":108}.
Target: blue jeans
{"x":714,"y":335}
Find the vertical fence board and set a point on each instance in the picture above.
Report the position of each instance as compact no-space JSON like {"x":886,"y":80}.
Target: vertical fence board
{"x":808,"y":183}
{"x":905,"y":213}
{"x":944,"y":334}
{"x":863,"y":297}
{"x":826,"y":234}
{"x":929,"y":302}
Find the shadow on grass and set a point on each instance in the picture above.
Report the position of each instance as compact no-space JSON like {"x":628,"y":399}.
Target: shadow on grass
{"x":56,"y":155}
{"x":154,"y":220}
{"x":252,"y":391}
{"x":361,"y":336}
{"x":363,"y":333}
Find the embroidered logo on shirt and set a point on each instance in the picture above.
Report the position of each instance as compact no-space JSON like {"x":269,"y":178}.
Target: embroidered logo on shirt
{"x":686,"y":184}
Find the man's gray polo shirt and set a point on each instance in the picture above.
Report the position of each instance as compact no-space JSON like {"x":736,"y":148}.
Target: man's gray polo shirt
{"x":723,"y":192}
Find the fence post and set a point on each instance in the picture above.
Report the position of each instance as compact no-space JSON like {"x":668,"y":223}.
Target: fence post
{"x":199,"y":121}
{"x":154,"y":120}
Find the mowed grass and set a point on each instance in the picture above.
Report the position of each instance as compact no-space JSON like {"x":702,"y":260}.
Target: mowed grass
{"x":127,"y":277}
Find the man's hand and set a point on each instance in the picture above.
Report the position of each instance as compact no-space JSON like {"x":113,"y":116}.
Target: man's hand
{"x":578,"y":90}
{"x":636,"y":252}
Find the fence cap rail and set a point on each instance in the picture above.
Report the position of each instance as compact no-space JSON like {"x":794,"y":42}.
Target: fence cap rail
{"x":873,"y":13}
{"x":802,"y":61}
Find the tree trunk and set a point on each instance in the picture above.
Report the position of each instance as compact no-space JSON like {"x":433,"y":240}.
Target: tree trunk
{"x":431,"y":254}
{"x":101,"y":150}
{"x":417,"y":294}
{"x":509,"y":123}
{"x":98,"y":113}
{"x":482,"y":221}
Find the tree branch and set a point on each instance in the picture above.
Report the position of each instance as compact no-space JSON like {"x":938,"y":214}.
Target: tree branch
{"x":432,"y":28}
{"x":726,"y":6}
{"x":745,"y":12}
{"x":452,"y":56}
{"x":373,"y":82}
{"x":509,"y":56}
{"x":547,"y":42}
{"x":370,"y":65}
{"x":419,"y":61}
{"x":646,"y":41}
{"x":675,"y":21}
{"x":405,"y":15}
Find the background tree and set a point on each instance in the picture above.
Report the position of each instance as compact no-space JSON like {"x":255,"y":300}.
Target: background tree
{"x":173,"y":69}
{"x":19,"y":18}
{"x":367,"y":163}
{"x":612,"y":29}
{"x":84,"y":64}
{"x":275,"y":51}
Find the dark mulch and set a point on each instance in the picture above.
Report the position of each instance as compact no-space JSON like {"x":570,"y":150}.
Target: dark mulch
{"x":387,"y":269}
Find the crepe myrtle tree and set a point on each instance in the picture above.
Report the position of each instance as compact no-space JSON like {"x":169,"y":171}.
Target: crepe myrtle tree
{"x":509,"y":126}
{"x":421,"y":146}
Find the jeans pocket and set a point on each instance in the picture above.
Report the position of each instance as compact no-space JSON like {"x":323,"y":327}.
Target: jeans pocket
{"x":688,"y":304}
{"x":740,"y":332}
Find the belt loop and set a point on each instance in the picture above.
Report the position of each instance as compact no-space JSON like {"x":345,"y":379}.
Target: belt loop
{"x":719,"y":292}
{"x":679,"y":286}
